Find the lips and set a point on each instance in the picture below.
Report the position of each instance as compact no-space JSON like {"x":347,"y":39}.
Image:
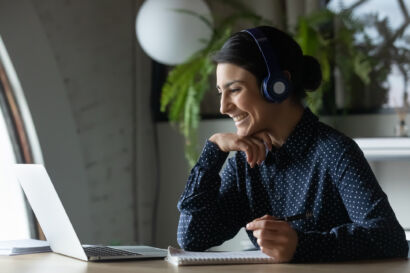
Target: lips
{"x":239,"y":118}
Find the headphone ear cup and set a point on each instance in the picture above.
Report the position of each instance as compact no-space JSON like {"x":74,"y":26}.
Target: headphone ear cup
{"x":279,"y":87}
{"x":275,"y":90}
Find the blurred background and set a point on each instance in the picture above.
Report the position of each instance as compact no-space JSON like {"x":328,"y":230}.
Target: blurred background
{"x":116,"y":99}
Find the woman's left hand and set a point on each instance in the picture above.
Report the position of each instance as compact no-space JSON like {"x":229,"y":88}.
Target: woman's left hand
{"x":275,"y":238}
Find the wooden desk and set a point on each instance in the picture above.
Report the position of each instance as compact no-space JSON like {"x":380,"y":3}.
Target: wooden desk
{"x":54,"y":263}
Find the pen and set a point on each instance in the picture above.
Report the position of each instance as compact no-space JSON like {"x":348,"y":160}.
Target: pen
{"x":302,"y":216}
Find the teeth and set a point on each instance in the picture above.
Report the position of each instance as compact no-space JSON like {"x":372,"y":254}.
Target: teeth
{"x":239,"y":117}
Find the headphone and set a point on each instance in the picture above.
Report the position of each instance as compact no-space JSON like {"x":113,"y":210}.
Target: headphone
{"x":276,"y":86}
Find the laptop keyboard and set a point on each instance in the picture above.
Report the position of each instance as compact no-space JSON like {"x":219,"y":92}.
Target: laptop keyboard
{"x":101,"y":251}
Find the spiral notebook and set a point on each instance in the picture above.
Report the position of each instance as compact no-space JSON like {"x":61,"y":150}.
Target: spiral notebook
{"x":181,"y":257}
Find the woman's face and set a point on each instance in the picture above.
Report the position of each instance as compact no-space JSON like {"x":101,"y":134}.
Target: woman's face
{"x":241,"y":99}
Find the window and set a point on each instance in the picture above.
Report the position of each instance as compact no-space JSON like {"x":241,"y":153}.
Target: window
{"x":13,"y":212}
{"x":387,"y":21}
{"x":15,"y":216}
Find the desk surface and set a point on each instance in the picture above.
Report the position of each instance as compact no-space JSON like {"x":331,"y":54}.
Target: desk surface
{"x":52,"y":263}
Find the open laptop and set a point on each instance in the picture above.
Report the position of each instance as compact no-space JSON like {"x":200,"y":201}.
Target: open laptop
{"x":57,"y":227}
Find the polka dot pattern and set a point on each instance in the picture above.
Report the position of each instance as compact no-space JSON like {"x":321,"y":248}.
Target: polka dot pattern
{"x":317,"y":170}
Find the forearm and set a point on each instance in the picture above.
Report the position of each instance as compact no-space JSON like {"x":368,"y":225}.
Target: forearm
{"x":200,"y":231}
{"x":350,"y":242}
{"x":204,"y":181}
{"x":204,"y":221}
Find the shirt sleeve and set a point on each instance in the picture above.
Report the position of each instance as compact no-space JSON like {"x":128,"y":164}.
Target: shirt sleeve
{"x":211,"y":207}
{"x":374,"y":231}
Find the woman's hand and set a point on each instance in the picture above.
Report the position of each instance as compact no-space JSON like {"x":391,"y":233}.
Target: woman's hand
{"x":254,"y":146}
{"x":275,"y":238}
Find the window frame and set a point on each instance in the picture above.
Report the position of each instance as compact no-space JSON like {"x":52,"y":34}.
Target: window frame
{"x":18,"y":135}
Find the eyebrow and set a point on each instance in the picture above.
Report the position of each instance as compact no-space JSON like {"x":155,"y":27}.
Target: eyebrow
{"x":226,"y":85}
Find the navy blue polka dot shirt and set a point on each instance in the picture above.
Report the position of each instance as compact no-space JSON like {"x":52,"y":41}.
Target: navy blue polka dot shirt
{"x":318,"y":170}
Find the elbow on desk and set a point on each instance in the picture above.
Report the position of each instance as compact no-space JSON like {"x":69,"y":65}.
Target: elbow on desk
{"x":399,"y":249}
{"x":190,"y":244}
{"x":404,"y":249}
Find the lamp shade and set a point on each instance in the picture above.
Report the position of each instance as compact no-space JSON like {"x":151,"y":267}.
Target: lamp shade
{"x":168,"y":33}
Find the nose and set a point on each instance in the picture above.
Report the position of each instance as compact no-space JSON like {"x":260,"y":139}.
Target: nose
{"x":226,"y":104}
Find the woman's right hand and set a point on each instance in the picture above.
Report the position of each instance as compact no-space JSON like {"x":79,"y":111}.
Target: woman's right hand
{"x":254,"y":146}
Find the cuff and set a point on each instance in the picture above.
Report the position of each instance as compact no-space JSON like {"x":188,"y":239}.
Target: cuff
{"x":212,"y":158}
{"x":300,"y":254}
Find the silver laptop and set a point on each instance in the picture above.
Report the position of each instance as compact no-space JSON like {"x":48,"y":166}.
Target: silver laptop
{"x":57,"y":227}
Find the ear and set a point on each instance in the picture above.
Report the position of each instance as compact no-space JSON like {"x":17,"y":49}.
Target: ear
{"x":287,"y":74}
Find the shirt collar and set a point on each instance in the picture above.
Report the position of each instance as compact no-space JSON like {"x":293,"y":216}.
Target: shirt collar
{"x":300,"y":139}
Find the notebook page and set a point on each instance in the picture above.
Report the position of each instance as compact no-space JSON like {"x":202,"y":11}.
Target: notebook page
{"x":181,"y":257}
{"x":25,"y":246}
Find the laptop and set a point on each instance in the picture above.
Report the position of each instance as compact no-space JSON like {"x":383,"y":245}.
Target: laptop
{"x":57,"y":227}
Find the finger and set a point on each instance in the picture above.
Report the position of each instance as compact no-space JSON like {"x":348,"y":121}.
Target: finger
{"x":245,"y":146}
{"x":277,"y":237}
{"x":268,"y":224}
{"x":265,"y":217}
{"x":260,"y":150}
{"x":251,"y":153}
{"x":266,"y":234}
{"x":252,"y":147}
{"x":265,"y":138}
{"x":272,"y":251}
{"x":267,"y":244}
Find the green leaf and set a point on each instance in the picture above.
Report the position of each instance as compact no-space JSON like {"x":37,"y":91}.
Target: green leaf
{"x":187,"y":83}
{"x":362,"y":67}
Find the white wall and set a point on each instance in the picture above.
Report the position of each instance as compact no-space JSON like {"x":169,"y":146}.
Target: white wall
{"x":75,"y":61}
{"x":93,"y":45}
{"x":31,"y":54}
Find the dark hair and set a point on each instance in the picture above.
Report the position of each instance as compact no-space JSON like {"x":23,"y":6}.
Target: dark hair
{"x":241,"y":50}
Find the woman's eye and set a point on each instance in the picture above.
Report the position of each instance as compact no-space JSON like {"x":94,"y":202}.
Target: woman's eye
{"x":230,"y":90}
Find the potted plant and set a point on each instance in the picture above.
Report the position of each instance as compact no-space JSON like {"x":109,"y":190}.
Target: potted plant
{"x":187,"y":83}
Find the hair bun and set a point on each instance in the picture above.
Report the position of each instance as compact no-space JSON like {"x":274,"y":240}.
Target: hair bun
{"x":312,"y":73}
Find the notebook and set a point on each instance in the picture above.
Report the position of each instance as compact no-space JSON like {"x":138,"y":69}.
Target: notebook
{"x":181,"y":257}
{"x":19,"y":247}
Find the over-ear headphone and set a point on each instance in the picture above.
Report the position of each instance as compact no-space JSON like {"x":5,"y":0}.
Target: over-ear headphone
{"x":275,"y":87}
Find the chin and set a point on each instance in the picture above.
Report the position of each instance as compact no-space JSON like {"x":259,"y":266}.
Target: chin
{"x":243,"y":132}
{"x":240,"y":133}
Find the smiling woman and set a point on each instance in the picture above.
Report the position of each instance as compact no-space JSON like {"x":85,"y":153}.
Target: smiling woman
{"x":287,"y":163}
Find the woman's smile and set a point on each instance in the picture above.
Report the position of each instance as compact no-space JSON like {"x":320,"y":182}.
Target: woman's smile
{"x":241,"y":118}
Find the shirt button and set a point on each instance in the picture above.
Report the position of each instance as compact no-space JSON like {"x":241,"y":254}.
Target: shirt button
{"x":277,"y":196}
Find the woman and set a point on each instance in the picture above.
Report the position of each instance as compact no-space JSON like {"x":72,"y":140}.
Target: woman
{"x":287,"y":163}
